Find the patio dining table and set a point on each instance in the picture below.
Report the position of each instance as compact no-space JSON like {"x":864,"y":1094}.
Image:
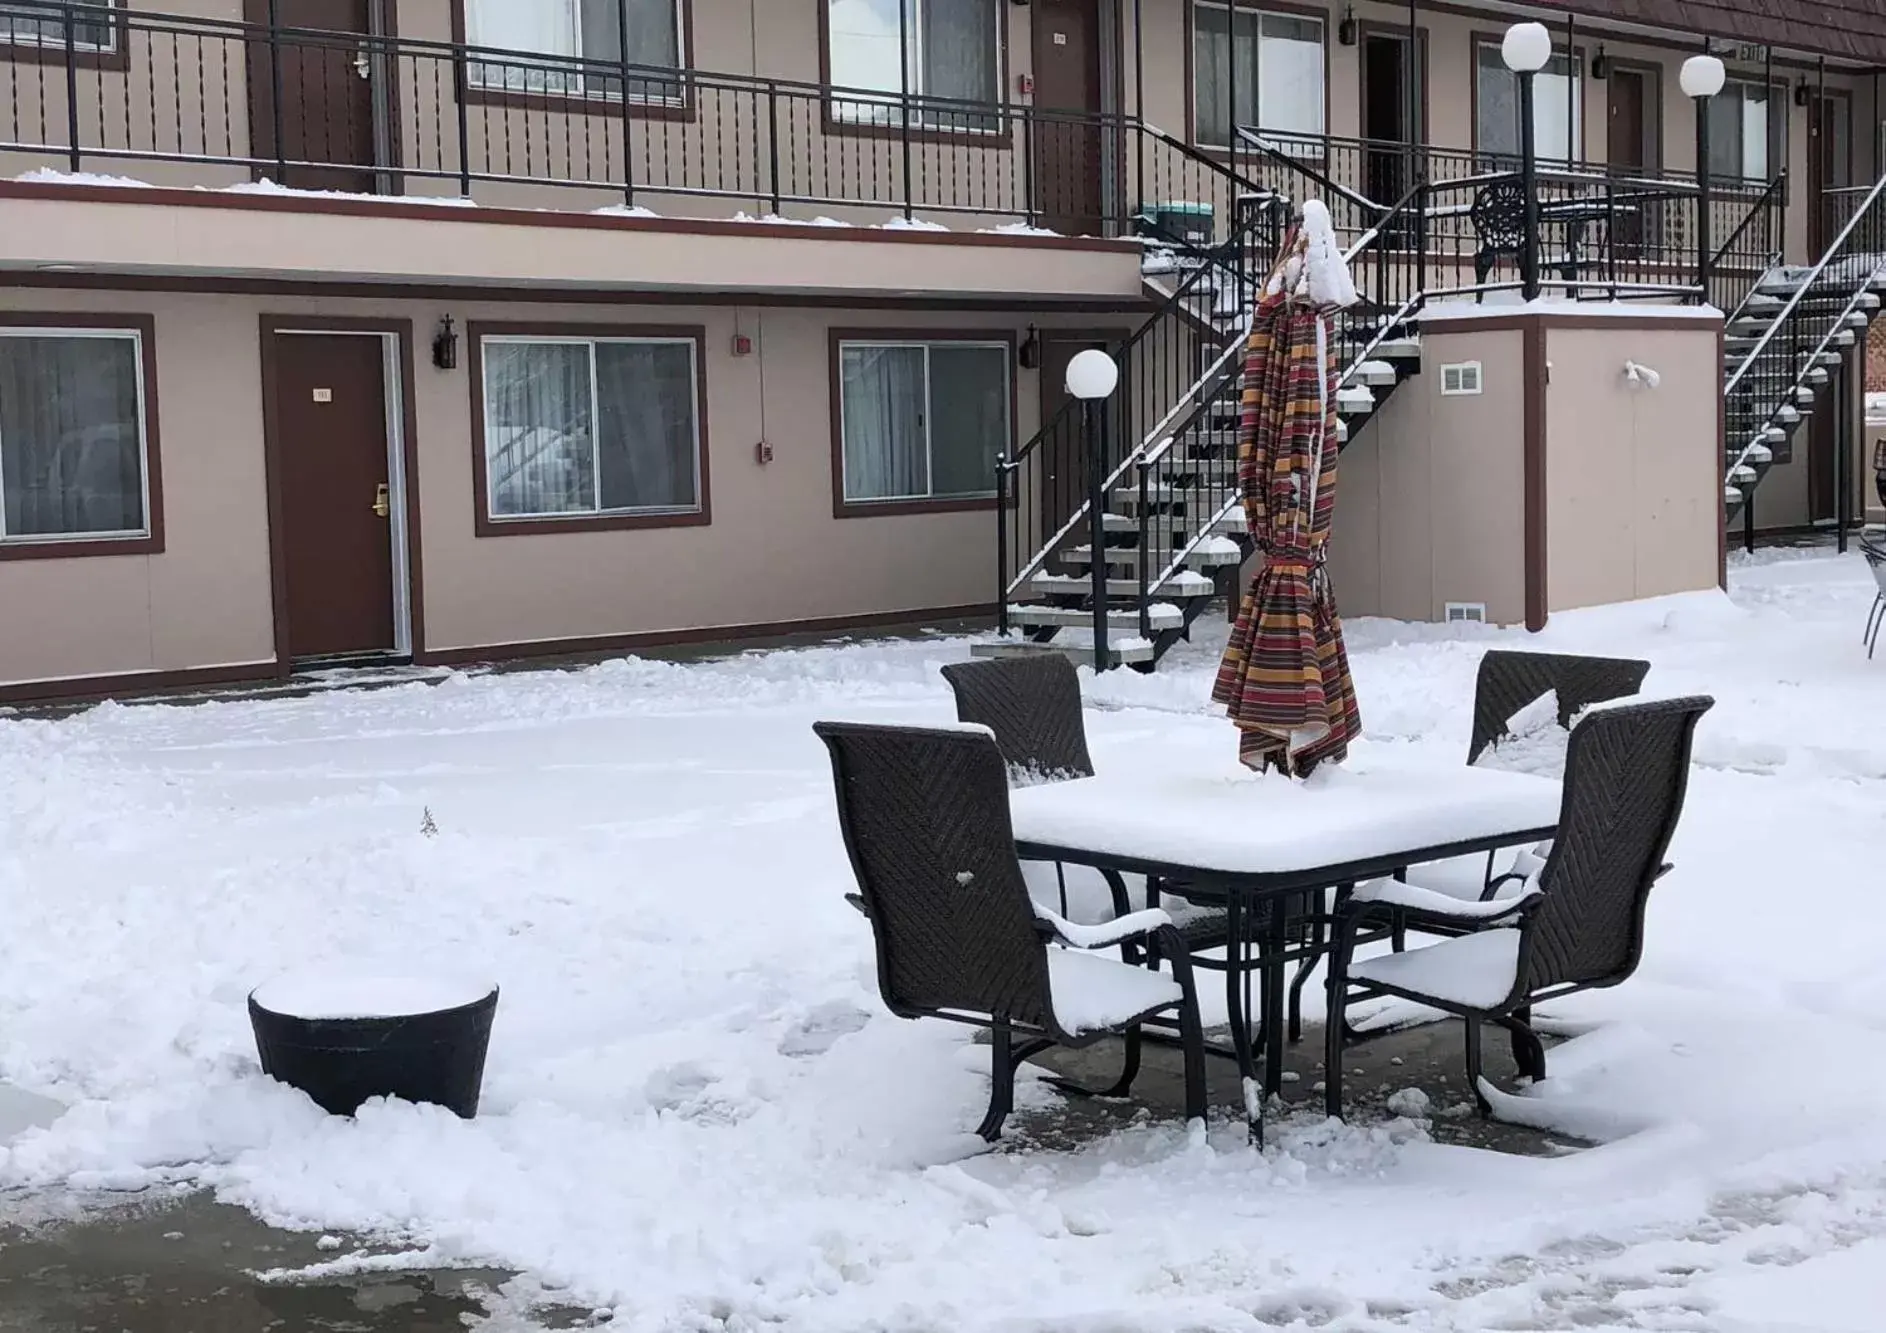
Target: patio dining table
{"x":1266,"y":848}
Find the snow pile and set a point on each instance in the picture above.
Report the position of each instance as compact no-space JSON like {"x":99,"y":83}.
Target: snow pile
{"x":698,"y":1114}
{"x":1534,"y":741}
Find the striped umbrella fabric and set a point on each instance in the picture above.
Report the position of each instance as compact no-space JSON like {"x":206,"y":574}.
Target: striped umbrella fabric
{"x":1285,"y":678}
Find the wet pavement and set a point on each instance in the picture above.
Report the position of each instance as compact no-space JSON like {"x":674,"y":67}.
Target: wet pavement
{"x":190,"y":1265}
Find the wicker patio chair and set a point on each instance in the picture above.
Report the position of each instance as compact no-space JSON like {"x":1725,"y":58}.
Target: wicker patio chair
{"x":1033,"y":705}
{"x":925,"y":819}
{"x":1875,"y":561}
{"x":1576,"y":925}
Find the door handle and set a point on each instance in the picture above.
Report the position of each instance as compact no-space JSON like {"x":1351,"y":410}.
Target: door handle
{"x":381,"y":503}
{"x":363,"y":64}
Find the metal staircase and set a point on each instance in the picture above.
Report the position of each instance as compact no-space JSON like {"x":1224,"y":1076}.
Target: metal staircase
{"x":1785,"y":345}
{"x":1172,"y":532}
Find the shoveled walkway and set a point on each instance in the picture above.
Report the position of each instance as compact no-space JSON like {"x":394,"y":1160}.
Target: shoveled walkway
{"x":158,"y":1267}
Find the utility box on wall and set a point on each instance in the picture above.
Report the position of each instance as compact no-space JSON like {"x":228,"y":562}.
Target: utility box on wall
{"x":1560,"y":479}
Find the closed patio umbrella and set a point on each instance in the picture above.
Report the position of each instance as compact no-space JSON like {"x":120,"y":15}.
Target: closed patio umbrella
{"x":1285,"y":678}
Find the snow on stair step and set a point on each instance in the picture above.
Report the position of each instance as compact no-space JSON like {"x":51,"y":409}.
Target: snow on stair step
{"x":1758,"y":454}
{"x":1731,"y":496}
{"x":1160,"y":616}
{"x":1210,"y":553}
{"x":1399,"y":349}
{"x":1130,"y":649}
{"x":1355,"y":399}
{"x":1185,"y":583}
{"x":1786,"y":415}
{"x":1375,"y":372}
{"x":1743,"y":475}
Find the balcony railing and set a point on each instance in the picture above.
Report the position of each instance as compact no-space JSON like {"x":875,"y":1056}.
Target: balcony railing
{"x":208,"y":101}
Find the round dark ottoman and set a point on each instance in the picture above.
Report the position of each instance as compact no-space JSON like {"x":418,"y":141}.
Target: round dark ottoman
{"x":344,"y":1040}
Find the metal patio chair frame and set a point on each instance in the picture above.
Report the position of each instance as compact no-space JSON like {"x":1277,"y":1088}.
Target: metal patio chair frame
{"x":1626,"y":775}
{"x":1875,"y":561}
{"x":925,"y":818}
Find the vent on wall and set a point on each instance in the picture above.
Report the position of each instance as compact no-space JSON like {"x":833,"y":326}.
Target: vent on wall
{"x":1461,"y":377}
{"x":1464,"y":612}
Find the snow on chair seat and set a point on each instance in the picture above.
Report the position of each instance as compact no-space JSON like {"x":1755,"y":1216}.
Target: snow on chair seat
{"x":1474,"y":971}
{"x":1096,"y":993}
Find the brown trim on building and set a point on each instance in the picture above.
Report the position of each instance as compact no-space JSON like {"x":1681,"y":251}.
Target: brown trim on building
{"x":1190,"y":90}
{"x":602,"y":108}
{"x":1533,"y":454}
{"x":547,"y":295}
{"x":81,"y":689}
{"x":270,"y":327}
{"x":116,"y":57}
{"x":1526,"y":319}
{"x":843,"y":508}
{"x":367,"y":206}
{"x":618,"y":643}
{"x":484,"y":525}
{"x":81,"y":546}
{"x":1001,"y":138}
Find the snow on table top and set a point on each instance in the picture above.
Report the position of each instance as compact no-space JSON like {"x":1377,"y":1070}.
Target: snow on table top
{"x":1233,"y":821}
{"x":330,"y":995}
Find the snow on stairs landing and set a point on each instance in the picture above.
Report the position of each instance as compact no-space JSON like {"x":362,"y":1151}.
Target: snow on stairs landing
{"x":1190,"y":529}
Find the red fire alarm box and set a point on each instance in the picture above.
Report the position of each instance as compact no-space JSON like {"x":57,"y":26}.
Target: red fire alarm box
{"x":742,"y":345}
{"x":1025,"y":84}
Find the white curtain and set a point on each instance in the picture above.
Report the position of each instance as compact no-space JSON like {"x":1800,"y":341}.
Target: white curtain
{"x":71,"y":436}
{"x":1211,"y":73}
{"x":881,"y":397}
{"x":539,"y":441}
{"x":969,"y":420}
{"x":645,"y":442}
{"x":956,"y":41}
{"x":1290,"y":75}
{"x":1556,"y":121}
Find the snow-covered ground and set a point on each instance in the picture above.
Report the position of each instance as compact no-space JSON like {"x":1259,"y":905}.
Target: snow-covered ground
{"x":697,"y":1114}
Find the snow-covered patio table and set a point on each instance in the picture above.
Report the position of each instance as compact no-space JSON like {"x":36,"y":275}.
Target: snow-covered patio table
{"x":1264,"y":846}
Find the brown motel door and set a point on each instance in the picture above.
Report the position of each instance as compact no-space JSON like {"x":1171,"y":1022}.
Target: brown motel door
{"x":331,"y":451}
{"x":1066,"y":37}
{"x":327,"y":99}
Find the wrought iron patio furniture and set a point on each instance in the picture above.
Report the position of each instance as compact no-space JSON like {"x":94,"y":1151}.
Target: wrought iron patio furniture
{"x":1577,"y":925}
{"x":925,"y":818}
{"x":1032,"y":703}
{"x":1270,"y":872}
{"x":1876,"y":562}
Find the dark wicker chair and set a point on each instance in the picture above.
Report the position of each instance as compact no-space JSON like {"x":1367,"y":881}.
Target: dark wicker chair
{"x":1508,"y":681}
{"x":1033,"y":705}
{"x":1876,"y":562}
{"x":1580,"y":925}
{"x":926,"y":822}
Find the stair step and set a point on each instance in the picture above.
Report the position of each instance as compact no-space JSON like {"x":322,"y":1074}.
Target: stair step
{"x":1774,"y":435}
{"x":1355,"y":400}
{"x":1731,"y":496}
{"x":1806,"y":396}
{"x":1183,"y":584}
{"x":1376,"y":373}
{"x":1161,"y":616}
{"x":1127,"y":650}
{"x":1211,"y":553}
{"x":1178,"y":529}
{"x":1743,"y":475}
{"x":1787,"y":416}
{"x":1844,"y":338}
{"x":1758,"y":455}
{"x":1160,"y":493}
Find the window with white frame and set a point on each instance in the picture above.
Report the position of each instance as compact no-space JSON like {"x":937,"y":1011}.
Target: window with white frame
{"x":586,"y":30}
{"x":1745,"y":131}
{"x":922,"y":420}
{"x":590,"y":426}
{"x":1271,"y":64}
{"x":72,"y":446}
{"x":1558,"y":106}
{"x":947,"y":50}
{"x":36,"y":25}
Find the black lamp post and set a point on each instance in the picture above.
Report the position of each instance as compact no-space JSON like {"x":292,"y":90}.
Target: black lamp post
{"x":1701,"y":80}
{"x":1092,"y":377}
{"x":1527,"y":49}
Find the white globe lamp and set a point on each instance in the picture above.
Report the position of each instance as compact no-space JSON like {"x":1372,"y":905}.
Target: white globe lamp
{"x":1702,"y":76}
{"x":1526,"y":48}
{"x":1092,"y":375}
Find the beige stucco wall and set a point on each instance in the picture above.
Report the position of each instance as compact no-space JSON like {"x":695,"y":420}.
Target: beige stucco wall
{"x":1633,"y":483}
{"x":205,"y":600}
{"x":1430,"y":503}
{"x":773,"y":553}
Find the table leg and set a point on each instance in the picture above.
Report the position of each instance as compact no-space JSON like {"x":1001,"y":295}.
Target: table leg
{"x":1236,"y":961}
{"x":1271,"y":975}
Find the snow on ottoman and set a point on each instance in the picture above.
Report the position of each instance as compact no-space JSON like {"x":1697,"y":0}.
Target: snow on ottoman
{"x":345,"y":1039}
